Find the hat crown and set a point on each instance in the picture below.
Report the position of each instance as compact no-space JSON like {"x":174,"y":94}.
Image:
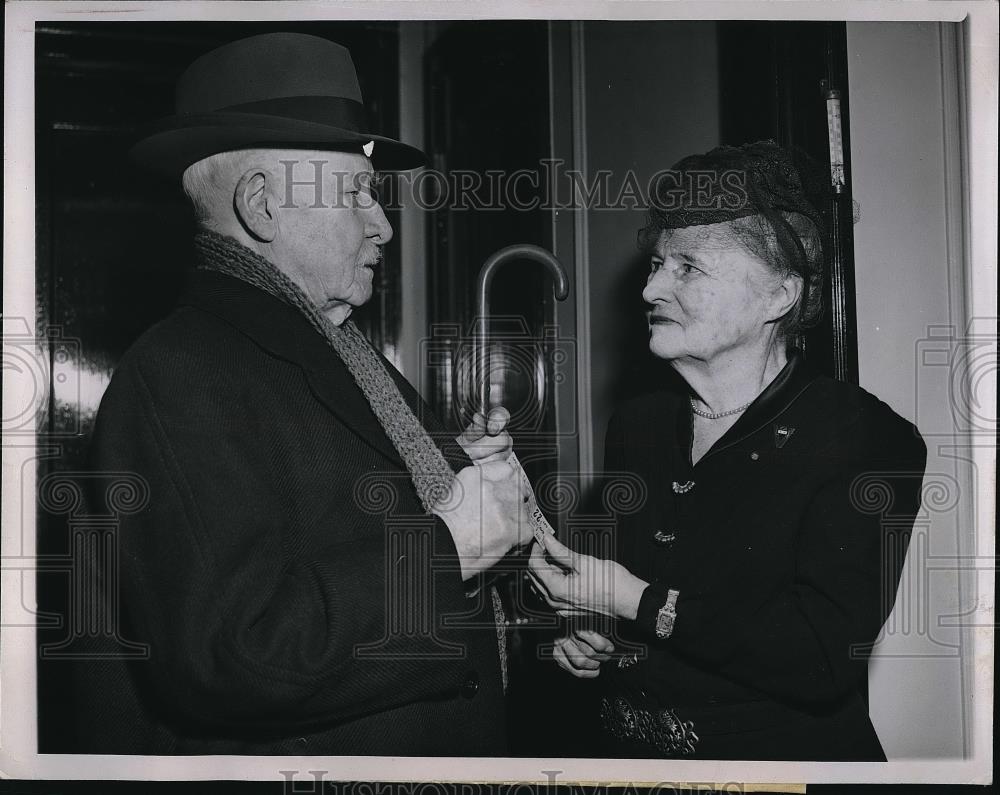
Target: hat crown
{"x":267,"y":67}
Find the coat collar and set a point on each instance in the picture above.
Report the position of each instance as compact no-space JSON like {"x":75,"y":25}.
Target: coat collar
{"x":284,"y":332}
{"x":794,"y":378}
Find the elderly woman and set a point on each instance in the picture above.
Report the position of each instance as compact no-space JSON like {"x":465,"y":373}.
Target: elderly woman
{"x":753,"y":580}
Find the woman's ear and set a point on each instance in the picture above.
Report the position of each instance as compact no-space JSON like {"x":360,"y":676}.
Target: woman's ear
{"x":786,"y":296}
{"x":254,"y":204}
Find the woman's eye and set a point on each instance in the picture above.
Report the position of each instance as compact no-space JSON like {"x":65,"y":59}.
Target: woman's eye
{"x":655,"y":265}
{"x":687,"y":268}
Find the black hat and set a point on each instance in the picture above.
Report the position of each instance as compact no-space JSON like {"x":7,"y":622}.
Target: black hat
{"x":286,"y":90}
{"x":731,"y":182}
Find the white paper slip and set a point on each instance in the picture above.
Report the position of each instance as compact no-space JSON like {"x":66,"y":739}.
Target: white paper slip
{"x":539,"y":524}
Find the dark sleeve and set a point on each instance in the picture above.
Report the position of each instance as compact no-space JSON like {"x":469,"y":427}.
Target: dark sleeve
{"x":243,"y":631}
{"x":809,"y":641}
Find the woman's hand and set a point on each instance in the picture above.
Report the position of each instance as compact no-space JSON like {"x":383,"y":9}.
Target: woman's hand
{"x":573,"y":583}
{"x":581,"y":652}
{"x":486,"y":440}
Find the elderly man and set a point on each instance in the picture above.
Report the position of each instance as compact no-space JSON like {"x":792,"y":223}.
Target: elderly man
{"x":305,"y":571}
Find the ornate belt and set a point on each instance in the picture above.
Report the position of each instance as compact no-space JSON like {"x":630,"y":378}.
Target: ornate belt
{"x":661,"y":729}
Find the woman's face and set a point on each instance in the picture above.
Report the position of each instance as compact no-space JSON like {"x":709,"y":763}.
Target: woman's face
{"x":708,"y":294}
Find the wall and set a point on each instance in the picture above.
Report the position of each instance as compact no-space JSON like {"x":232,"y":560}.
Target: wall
{"x":908,"y":249}
{"x":648,"y":105}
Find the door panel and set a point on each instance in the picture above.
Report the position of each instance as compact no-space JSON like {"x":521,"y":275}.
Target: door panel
{"x":772,"y":82}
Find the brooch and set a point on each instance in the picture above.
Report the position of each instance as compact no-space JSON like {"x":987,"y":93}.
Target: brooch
{"x":683,"y":488}
{"x":664,"y":538}
{"x":782,"y":433}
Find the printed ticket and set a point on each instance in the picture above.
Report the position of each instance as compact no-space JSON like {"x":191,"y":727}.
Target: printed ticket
{"x":539,"y":524}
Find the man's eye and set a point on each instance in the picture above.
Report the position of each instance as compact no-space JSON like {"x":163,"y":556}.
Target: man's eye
{"x":687,"y":268}
{"x":655,"y":265}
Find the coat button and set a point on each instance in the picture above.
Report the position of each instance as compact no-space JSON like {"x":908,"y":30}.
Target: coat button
{"x":471,"y":685}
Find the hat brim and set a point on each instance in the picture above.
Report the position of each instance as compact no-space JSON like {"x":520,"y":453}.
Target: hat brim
{"x":173,"y":144}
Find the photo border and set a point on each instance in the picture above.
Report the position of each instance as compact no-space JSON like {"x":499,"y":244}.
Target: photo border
{"x":18,"y":719}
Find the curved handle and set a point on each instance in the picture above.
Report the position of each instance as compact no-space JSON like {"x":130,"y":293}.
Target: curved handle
{"x":483,"y":283}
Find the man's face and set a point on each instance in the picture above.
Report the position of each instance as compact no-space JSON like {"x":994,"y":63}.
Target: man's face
{"x":329,"y":227}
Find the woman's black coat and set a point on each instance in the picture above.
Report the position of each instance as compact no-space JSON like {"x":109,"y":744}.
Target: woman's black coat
{"x":786,"y":552}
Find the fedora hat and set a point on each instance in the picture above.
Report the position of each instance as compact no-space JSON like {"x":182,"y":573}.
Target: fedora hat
{"x":276,"y":90}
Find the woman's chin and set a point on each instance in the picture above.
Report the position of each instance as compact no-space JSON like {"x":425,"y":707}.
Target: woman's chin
{"x":664,"y":345}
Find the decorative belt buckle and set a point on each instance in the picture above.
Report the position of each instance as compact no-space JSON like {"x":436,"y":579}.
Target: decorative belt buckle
{"x":662,"y":728}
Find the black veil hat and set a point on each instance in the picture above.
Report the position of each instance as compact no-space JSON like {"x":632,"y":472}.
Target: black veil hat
{"x":761,"y":182}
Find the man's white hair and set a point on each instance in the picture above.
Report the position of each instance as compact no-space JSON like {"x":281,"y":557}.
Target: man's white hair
{"x":209,"y":183}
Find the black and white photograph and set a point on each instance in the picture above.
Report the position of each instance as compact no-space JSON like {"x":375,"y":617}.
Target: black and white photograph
{"x":582,"y":393}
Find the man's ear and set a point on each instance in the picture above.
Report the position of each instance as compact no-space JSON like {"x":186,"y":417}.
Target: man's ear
{"x":254,"y":204}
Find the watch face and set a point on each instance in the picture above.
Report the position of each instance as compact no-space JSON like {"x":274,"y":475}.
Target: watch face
{"x":665,"y":621}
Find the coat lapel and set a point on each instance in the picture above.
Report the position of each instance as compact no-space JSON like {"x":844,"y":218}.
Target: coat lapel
{"x":335,"y":388}
{"x":787,"y":386}
{"x":284,"y":332}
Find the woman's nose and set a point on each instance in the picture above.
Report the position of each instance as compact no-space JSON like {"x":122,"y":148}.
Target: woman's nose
{"x":659,"y":287}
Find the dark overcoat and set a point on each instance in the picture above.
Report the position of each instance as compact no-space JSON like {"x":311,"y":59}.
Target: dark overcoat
{"x":293,"y":595}
{"x":785,"y":542}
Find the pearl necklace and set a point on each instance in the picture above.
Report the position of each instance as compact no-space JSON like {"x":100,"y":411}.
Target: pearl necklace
{"x":710,"y":416}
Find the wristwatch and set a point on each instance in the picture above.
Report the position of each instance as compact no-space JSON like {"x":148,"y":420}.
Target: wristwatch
{"x":667,"y":615}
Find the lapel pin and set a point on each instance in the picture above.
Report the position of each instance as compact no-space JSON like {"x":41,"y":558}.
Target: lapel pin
{"x":782,"y":433}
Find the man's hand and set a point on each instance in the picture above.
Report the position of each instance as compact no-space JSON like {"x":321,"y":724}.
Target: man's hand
{"x":486,"y":439}
{"x":486,"y":514}
{"x":573,"y":583}
{"x":581,"y":652}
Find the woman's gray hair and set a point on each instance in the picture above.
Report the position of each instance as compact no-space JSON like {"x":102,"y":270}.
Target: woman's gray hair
{"x":759,"y":237}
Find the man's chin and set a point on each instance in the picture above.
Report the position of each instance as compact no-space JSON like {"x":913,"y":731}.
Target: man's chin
{"x":362,"y":294}
{"x":359,"y":298}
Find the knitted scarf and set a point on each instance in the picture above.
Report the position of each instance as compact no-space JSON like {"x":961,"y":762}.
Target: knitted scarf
{"x":430,"y":472}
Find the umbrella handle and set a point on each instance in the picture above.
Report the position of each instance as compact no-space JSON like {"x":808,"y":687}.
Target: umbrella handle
{"x":483,"y":284}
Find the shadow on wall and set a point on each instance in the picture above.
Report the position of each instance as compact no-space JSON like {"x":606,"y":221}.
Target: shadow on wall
{"x":636,"y":370}
{"x":632,"y":369}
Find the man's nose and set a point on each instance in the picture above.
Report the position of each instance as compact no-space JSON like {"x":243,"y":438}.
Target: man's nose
{"x":378,"y":230}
